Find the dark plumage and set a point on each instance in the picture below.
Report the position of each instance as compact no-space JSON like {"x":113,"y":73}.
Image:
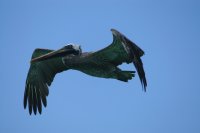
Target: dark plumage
{"x":45,"y":64}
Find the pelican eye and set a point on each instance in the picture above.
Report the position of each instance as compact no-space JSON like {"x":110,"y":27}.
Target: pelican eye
{"x":68,"y":47}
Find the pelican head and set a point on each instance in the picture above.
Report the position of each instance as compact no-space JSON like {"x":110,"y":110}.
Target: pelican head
{"x":77,"y":48}
{"x":64,"y":51}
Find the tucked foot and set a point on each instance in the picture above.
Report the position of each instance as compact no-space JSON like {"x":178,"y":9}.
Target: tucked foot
{"x":125,"y":75}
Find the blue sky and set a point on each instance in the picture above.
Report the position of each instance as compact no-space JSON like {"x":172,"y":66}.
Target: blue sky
{"x":168,"y":31}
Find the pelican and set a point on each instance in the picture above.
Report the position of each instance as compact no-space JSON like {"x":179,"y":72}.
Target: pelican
{"x":45,"y":64}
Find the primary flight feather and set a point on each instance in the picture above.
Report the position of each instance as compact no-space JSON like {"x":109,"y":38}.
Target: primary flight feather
{"x":45,"y":64}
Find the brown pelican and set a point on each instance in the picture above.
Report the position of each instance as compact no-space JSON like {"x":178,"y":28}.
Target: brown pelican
{"x":45,"y":64}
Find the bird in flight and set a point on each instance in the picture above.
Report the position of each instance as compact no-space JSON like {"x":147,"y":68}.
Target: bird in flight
{"x":45,"y":64}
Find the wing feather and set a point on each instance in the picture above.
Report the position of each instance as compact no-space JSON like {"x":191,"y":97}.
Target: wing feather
{"x":40,"y":76}
{"x":39,"y":105}
{"x":135,"y":53}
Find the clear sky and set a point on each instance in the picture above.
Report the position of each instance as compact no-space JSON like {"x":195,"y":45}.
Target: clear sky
{"x":167,"y":30}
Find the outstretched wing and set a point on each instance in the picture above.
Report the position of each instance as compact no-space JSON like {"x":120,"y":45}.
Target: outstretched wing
{"x":122,"y":50}
{"x":40,"y":76}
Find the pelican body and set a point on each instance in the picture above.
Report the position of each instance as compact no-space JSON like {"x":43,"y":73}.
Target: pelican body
{"x":45,"y":64}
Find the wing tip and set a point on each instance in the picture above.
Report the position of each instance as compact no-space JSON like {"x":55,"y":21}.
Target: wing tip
{"x":33,"y":98}
{"x":144,"y":85}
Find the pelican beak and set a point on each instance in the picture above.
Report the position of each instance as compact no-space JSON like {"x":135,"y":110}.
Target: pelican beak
{"x":57,"y":53}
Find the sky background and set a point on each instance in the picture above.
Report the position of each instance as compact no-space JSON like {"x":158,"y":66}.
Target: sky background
{"x":167,"y":30}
